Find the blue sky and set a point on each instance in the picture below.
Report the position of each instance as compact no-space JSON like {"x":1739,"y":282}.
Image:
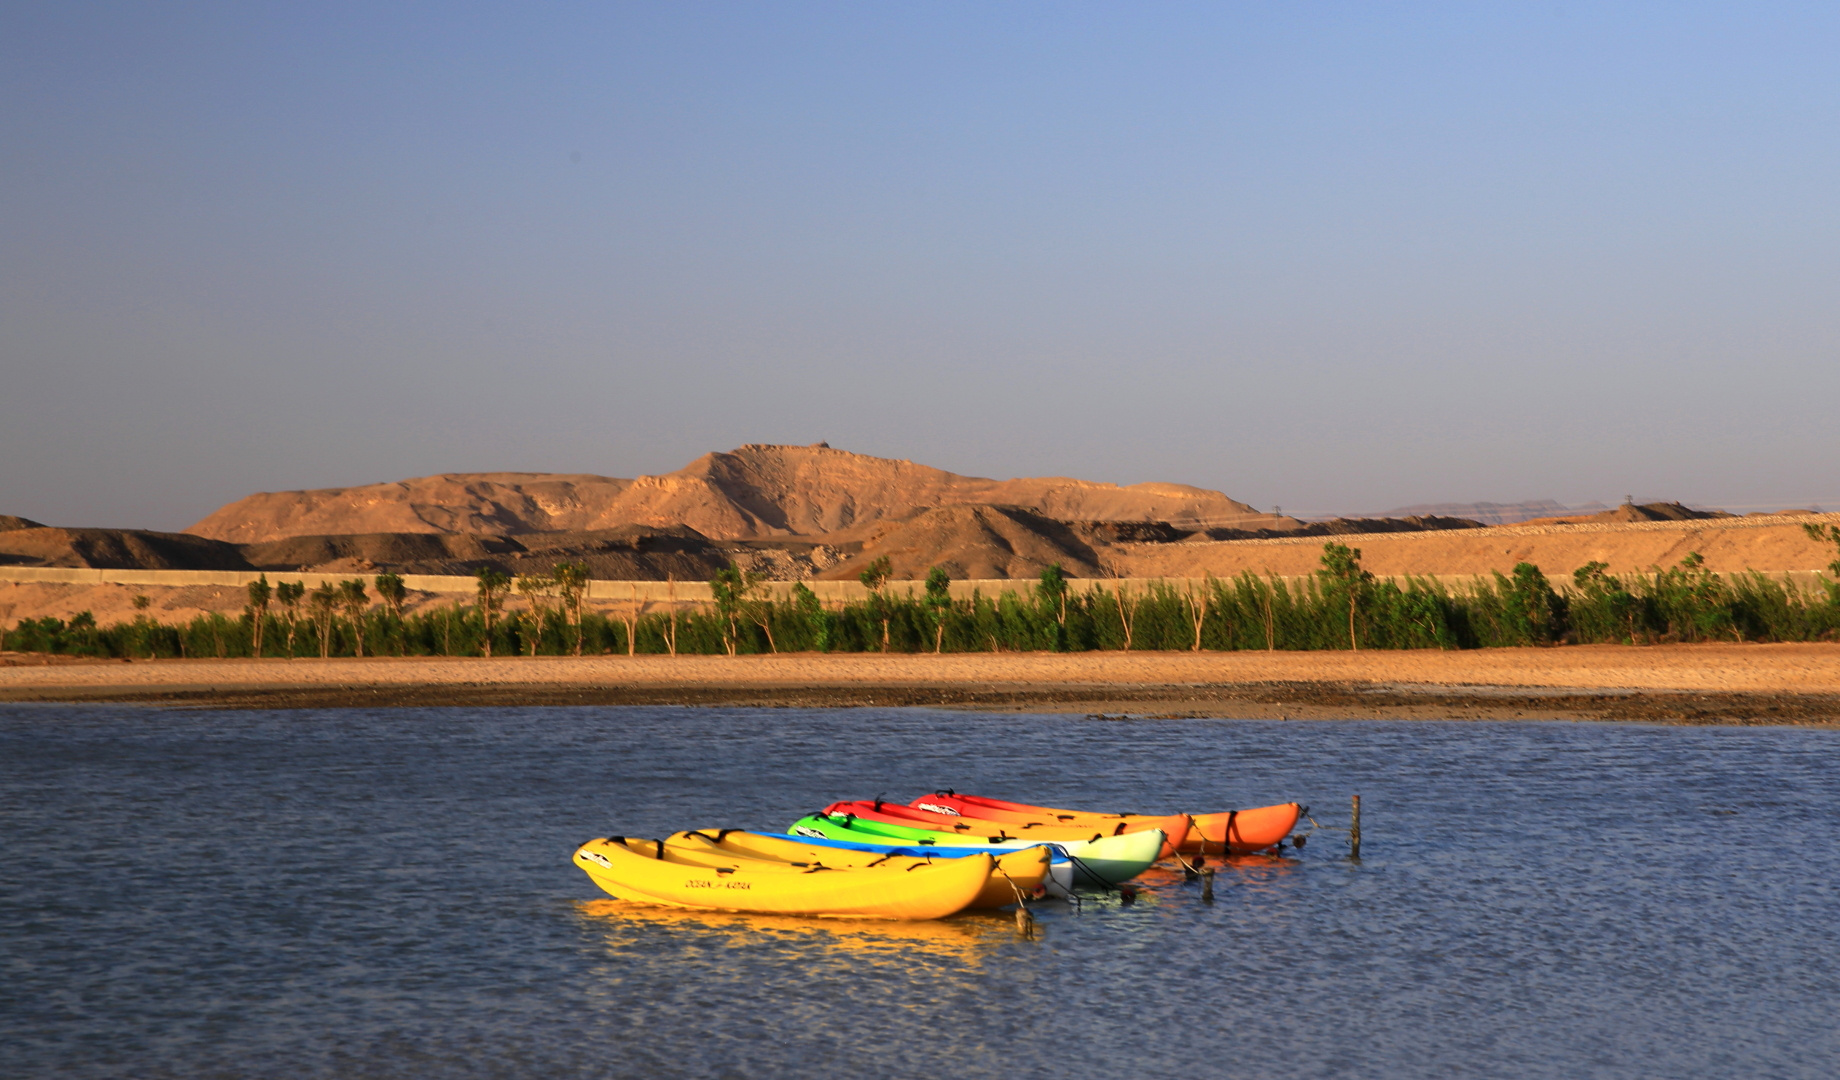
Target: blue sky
{"x":1338,"y":257}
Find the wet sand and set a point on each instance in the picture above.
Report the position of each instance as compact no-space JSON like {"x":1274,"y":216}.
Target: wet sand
{"x":1702,"y":684}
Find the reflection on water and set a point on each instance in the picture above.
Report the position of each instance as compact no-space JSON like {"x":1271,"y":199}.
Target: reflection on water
{"x":356,"y":894}
{"x":629,"y":926}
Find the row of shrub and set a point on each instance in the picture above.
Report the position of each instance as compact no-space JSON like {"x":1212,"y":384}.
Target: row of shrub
{"x":1340,"y":607}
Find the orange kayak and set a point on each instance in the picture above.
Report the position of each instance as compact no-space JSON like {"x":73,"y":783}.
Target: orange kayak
{"x":1041,"y":828}
{"x":1238,"y":831}
{"x":1244,"y":830}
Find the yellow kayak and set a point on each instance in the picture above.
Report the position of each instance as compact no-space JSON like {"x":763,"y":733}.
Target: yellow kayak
{"x":923,"y":891}
{"x":1015,"y":876}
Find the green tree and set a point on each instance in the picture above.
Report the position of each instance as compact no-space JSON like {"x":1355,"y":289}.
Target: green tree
{"x":1197,"y":602}
{"x":393,"y":593}
{"x":143,"y":626}
{"x":259,"y":593}
{"x":493,"y":586}
{"x":535,"y":589}
{"x":812,"y":614}
{"x":1051,"y":590}
{"x":1535,"y":610}
{"x":289,"y":594}
{"x":1602,"y":608}
{"x":1127,"y":604}
{"x":732,"y":588}
{"x":1342,"y":577}
{"x":572,"y":584}
{"x":353,"y":598}
{"x":939,"y":603}
{"x":323,"y":605}
{"x":875,"y":578}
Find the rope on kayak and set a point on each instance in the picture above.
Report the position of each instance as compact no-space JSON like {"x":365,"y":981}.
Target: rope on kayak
{"x":1127,"y":894}
{"x":1025,"y":919}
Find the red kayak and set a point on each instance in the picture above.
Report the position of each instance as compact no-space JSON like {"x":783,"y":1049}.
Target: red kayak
{"x":1238,"y":831}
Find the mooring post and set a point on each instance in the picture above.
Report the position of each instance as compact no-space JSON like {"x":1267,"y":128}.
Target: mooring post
{"x":1354,"y":831}
{"x":1207,"y":885}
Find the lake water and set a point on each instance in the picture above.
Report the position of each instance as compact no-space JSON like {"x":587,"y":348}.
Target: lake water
{"x":353,"y":893}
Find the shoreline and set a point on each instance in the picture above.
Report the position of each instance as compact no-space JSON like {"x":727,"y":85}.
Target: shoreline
{"x":1795,"y":684}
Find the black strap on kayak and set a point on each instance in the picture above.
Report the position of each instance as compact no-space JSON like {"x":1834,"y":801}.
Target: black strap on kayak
{"x":660,"y":844}
{"x":700,"y":835}
{"x":1119,"y":831}
{"x":879,"y":861}
{"x":878,"y":804}
{"x":615,"y":841}
{"x":1063,"y":817}
{"x":1226,"y":838}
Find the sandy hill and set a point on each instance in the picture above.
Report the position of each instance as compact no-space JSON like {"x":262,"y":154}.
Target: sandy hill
{"x":978,"y":542}
{"x":9,"y":523}
{"x":754,"y":492}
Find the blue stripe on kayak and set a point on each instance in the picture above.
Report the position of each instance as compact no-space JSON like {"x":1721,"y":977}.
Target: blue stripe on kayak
{"x":1055,"y":854}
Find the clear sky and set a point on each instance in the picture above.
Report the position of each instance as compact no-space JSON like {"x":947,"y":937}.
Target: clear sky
{"x":1334,"y":257}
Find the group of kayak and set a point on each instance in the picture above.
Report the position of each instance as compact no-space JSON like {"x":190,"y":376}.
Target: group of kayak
{"x":933,"y":857}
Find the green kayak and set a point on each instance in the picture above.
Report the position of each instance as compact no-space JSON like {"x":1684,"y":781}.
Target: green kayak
{"x":1099,"y":863}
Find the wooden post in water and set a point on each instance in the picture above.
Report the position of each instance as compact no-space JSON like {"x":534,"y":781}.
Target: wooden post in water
{"x":1354,"y":830}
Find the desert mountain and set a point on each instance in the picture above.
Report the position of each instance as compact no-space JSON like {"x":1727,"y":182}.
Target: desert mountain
{"x":754,"y":492}
{"x":9,"y":523}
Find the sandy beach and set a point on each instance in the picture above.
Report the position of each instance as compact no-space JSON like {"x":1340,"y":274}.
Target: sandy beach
{"x":1720,"y":683}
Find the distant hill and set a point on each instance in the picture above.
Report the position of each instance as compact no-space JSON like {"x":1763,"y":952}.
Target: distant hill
{"x":754,"y":492}
{"x":1490,"y":513}
{"x":1628,"y":513}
